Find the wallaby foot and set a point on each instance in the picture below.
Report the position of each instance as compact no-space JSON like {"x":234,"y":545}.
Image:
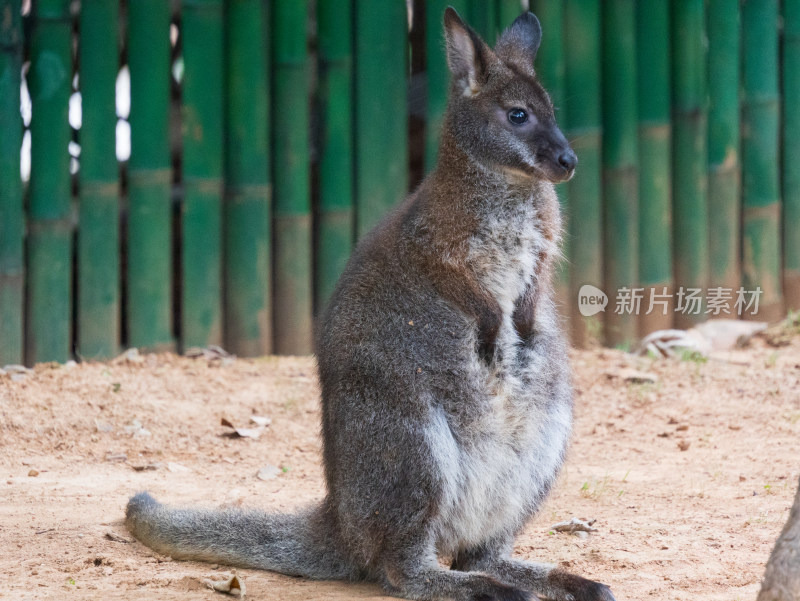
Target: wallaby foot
{"x":434,"y":583}
{"x":543,"y":579}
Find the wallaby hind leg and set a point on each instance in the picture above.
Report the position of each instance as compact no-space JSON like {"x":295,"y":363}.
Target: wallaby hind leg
{"x":540,"y":578}
{"x":426,"y":580}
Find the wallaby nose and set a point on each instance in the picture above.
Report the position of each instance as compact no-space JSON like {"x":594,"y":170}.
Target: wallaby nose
{"x":567,"y":160}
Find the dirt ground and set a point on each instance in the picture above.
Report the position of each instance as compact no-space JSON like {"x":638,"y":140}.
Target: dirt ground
{"x":690,"y":477}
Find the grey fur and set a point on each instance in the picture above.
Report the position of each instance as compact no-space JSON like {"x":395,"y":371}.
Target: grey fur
{"x":446,"y":399}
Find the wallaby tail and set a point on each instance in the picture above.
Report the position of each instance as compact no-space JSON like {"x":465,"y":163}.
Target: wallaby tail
{"x":301,"y":544}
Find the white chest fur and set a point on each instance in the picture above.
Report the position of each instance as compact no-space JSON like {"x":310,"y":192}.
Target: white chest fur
{"x":491,"y":487}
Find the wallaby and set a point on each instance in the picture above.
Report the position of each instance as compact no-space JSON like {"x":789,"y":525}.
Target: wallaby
{"x":446,"y":395}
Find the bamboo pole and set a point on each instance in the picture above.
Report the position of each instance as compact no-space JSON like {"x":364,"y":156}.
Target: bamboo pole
{"x":98,"y":296}
{"x":550,"y":56}
{"x":482,"y":17}
{"x":149,"y":243}
{"x":550,"y":71}
{"x":202,"y":118}
{"x":791,"y":151}
{"x":11,"y":202}
{"x":248,"y":305}
{"x":292,"y":221}
{"x":507,"y":11}
{"x":620,"y":179}
{"x":655,"y":194}
{"x":381,"y":111}
{"x":761,"y":264}
{"x":335,"y":231}
{"x":689,"y":154}
{"x":49,"y":281}
{"x":438,"y":74}
{"x":584,"y":130}
{"x":724,"y":169}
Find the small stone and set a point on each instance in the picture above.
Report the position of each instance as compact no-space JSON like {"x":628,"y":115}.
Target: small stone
{"x":268,"y":472}
{"x":33,"y":473}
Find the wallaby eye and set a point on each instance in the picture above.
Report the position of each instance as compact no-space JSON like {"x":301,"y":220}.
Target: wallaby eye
{"x":517,"y":116}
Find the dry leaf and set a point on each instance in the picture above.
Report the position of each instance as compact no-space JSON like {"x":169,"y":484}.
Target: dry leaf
{"x":177,"y":468}
{"x":240,"y":432}
{"x":575,"y":525}
{"x":233,"y":585}
{"x":117,"y":538}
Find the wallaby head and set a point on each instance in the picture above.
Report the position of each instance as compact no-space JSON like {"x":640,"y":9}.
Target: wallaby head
{"x":499,"y":114}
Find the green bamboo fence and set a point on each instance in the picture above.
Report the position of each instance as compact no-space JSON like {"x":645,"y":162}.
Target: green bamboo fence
{"x":98,"y":297}
{"x":791,"y":150}
{"x":202,"y":121}
{"x":550,"y":69}
{"x":507,"y":11}
{"x":49,"y":244}
{"x":149,"y":234}
{"x":292,"y":214}
{"x":482,"y":17}
{"x":550,"y":56}
{"x":381,"y":124}
{"x":11,"y":207}
{"x":334,"y":232}
{"x":437,"y":73}
{"x":620,"y":183}
{"x":655,"y":195}
{"x":583,"y":126}
{"x":689,"y":157}
{"x":761,"y":261}
{"x":252,"y":272}
{"x":247,"y":292}
{"x":724,"y":170}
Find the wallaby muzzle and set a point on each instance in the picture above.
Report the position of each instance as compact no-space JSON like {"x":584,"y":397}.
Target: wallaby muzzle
{"x":556,"y":159}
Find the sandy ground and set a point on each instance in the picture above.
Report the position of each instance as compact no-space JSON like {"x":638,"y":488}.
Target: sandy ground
{"x":690,"y":478}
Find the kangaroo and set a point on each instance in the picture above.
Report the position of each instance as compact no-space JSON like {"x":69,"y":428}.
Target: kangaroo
{"x":446,"y":394}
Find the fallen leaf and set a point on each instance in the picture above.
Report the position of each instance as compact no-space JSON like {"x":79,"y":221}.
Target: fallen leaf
{"x":260,"y":420}
{"x":117,"y":538}
{"x":233,"y":585}
{"x":245,"y":432}
{"x":146,"y":468}
{"x":633,"y":376}
{"x":240,"y":432}
{"x":177,"y":468}
{"x":211,"y":353}
{"x":575,"y":525}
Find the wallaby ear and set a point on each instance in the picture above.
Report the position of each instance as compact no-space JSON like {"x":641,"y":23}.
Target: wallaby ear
{"x":467,"y":53}
{"x":519,"y":43}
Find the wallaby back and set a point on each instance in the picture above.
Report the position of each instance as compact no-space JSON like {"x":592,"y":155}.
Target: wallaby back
{"x":446,"y":397}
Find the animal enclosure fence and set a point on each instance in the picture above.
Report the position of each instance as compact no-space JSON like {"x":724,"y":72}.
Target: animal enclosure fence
{"x":196,"y":172}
